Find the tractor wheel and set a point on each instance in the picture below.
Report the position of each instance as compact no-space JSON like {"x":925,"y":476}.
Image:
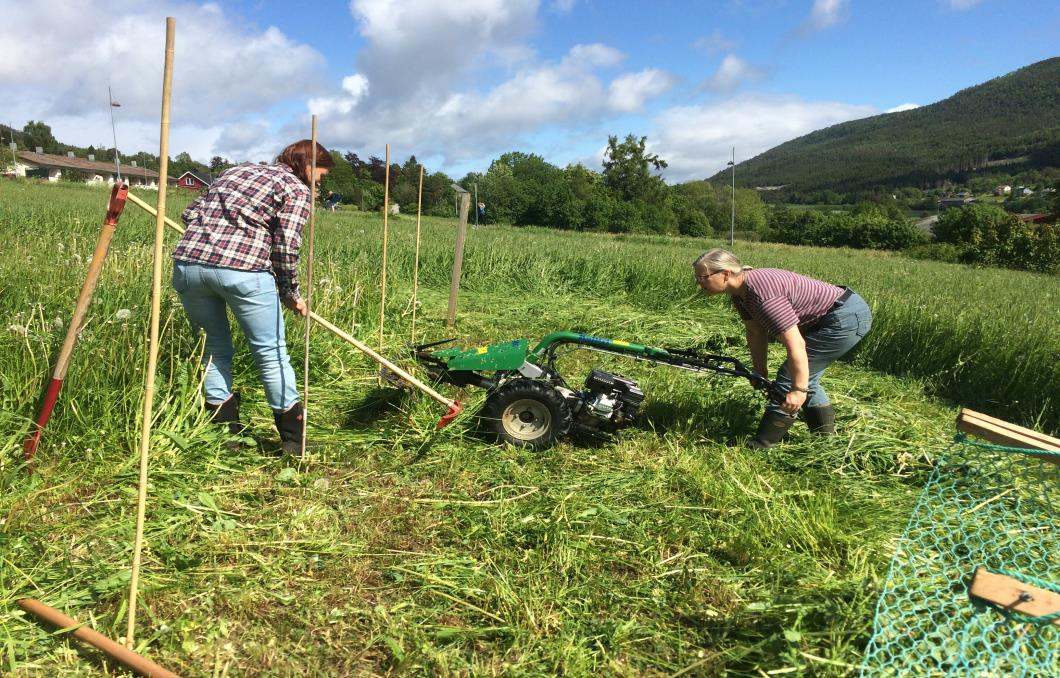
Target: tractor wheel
{"x":527,"y":413}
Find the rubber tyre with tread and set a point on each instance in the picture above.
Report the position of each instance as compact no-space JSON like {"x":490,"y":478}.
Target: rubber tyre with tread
{"x":527,"y":413}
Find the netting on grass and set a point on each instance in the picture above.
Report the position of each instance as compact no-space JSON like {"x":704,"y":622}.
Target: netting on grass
{"x":983,"y":506}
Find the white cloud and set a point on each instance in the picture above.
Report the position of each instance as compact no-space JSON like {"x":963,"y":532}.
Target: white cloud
{"x":440,"y":112}
{"x":732,"y":72}
{"x":826,"y":13}
{"x":57,"y":58}
{"x":354,"y":87}
{"x":562,"y":6}
{"x":902,"y":107}
{"x":420,"y":47}
{"x":630,"y":91}
{"x":696,"y":140}
{"x":961,"y":5}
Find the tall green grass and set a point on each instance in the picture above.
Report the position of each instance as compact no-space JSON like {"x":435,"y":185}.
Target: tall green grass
{"x":399,"y":550}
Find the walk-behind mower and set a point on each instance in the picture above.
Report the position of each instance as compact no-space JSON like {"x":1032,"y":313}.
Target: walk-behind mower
{"x":529,"y":402}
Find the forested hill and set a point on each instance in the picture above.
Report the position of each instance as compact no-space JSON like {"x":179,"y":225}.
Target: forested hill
{"x":1010,"y":123}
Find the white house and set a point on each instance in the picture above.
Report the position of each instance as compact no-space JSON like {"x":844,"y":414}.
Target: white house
{"x":51,"y":167}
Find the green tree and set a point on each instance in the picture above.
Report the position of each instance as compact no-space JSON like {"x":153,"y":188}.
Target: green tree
{"x":37,"y":133}
{"x":341,"y":179}
{"x":627,"y":170}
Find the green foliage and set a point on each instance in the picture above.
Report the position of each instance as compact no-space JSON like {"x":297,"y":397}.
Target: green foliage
{"x":867,"y":227}
{"x":36,"y":133}
{"x":1009,"y":123}
{"x":990,"y":236}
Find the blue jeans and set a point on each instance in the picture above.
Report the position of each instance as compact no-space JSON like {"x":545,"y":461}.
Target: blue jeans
{"x":838,"y":332}
{"x":205,"y":292}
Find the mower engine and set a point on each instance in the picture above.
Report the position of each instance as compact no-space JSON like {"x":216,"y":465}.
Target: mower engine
{"x":608,"y":403}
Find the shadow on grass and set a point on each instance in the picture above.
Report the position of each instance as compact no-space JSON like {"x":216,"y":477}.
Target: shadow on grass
{"x":377,"y":405}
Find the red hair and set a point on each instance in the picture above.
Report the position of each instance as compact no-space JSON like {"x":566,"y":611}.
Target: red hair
{"x":298,"y":156}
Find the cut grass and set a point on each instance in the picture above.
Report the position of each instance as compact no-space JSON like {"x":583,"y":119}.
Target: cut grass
{"x":397,"y":549}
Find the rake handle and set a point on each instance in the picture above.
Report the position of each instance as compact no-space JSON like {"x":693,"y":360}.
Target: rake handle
{"x":126,"y":657}
{"x":382,"y":361}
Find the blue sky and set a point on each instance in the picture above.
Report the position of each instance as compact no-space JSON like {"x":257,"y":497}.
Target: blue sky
{"x":457,"y":84}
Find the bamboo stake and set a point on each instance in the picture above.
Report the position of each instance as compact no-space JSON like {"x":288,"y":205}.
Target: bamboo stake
{"x":416,"y":258}
{"x":382,"y":277}
{"x":118,"y":196}
{"x":453,"y":405}
{"x":458,"y":260}
{"x":133,"y":661}
{"x":309,"y":283}
{"x":152,"y":354}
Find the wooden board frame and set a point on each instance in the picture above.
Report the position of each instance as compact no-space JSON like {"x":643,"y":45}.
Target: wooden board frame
{"x":1001,"y":432}
{"x":1013,"y":594}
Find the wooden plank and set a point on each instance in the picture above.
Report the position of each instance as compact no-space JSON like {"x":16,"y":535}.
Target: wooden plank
{"x":1047,"y":441}
{"x":1009,"y":435}
{"x":1013,"y":594}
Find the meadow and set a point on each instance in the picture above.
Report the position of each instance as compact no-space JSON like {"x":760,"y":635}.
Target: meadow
{"x":398,"y":550}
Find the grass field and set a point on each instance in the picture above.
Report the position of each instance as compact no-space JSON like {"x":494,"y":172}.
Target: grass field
{"x":398,"y":550}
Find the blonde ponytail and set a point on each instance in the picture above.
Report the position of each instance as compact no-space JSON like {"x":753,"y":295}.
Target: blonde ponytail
{"x":719,"y":260}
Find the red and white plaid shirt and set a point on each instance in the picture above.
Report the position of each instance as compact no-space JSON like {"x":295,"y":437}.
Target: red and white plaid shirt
{"x":250,"y":219}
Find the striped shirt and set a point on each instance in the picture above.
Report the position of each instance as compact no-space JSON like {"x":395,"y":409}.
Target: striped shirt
{"x":780,"y":300}
{"x":250,"y":219}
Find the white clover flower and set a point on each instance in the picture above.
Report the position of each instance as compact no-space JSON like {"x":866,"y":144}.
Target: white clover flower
{"x":123,"y":314}
{"x":58,"y":323}
{"x":20,"y":330}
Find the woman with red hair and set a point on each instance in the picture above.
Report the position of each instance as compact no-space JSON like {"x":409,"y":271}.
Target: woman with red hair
{"x":240,"y":252}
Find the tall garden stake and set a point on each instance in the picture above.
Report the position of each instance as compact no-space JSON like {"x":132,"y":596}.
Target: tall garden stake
{"x":416,"y":258}
{"x":309,"y":282}
{"x":152,"y":351}
{"x":382,"y":276}
{"x":118,"y":195}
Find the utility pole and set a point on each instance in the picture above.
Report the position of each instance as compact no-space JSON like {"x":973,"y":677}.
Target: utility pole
{"x":114,"y":104}
{"x":732,"y":224}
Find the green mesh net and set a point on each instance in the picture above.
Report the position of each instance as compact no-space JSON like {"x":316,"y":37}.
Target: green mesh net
{"x":988,"y":506}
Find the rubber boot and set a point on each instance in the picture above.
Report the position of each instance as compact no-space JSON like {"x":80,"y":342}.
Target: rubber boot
{"x":227,"y":413}
{"x":771,"y":430}
{"x":820,"y":420}
{"x":290,"y":424}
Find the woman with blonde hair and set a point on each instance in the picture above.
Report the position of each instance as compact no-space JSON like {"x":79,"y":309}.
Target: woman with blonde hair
{"x":817,"y":323}
{"x":240,"y":252}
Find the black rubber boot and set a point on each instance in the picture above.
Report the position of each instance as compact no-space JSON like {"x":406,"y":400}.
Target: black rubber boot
{"x":290,"y":424}
{"x":820,"y":420}
{"x":227,"y":413}
{"x":771,"y":430}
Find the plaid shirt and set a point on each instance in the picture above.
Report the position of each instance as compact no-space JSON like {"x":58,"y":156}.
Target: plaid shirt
{"x":250,"y":219}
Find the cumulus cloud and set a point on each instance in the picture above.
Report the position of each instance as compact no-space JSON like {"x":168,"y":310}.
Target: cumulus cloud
{"x":423,"y":59}
{"x":826,"y":13}
{"x":630,"y":91}
{"x":696,"y":140}
{"x":733,"y":72}
{"x":223,"y":70}
{"x":418,"y":47}
{"x":902,"y":107}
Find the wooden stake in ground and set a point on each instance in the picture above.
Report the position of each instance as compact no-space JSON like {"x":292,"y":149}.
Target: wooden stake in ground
{"x":118,"y":195}
{"x":458,"y":257}
{"x":416,"y":258}
{"x":382,"y":276}
{"x":308,"y":287}
{"x":152,"y":351}
{"x":141,"y":665}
